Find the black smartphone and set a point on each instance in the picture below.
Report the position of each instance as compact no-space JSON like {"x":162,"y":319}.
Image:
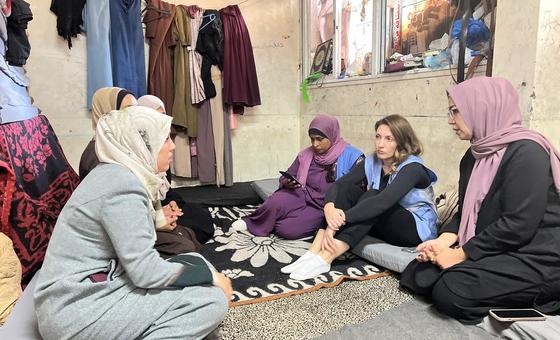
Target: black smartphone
{"x":288,"y":176}
{"x":510,"y":315}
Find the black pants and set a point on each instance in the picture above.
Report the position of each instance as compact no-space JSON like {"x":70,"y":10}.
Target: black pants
{"x":194,"y":216}
{"x":395,"y":226}
{"x":469,"y":289}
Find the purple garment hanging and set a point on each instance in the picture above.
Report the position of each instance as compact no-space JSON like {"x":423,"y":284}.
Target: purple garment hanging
{"x":241,"y":87}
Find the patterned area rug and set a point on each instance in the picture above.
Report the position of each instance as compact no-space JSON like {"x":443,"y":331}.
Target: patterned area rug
{"x":253,"y":263}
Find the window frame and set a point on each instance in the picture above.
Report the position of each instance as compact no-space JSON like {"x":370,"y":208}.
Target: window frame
{"x":379,"y":42}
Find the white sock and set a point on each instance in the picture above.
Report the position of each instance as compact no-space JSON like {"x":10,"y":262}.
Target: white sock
{"x":239,"y":225}
{"x":293,"y":266}
{"x":313,"y":267}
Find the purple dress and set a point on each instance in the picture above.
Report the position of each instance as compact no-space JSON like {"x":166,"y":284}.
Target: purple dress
{"x":240,"y":84}
{"x":293,"y":214}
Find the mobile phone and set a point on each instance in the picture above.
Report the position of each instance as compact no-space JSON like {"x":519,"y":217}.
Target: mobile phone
{"x":289,"y":176}
{"x":510,"y":315}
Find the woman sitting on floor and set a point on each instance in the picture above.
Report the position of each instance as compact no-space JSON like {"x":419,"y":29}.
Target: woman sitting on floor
{"x":296,"y":209}
{"x":104,"y":100}
{"x":507,"y":229}
{"x":397,"y":206}
{"x":101,"y":277}
{"x":193,"y":216}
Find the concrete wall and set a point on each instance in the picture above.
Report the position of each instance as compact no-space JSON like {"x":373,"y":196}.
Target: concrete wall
{"x":267,"y":137}
{"x":58,"y":81}
{"x":545,"y":115}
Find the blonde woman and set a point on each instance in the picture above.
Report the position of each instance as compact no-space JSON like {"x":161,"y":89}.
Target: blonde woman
{"x":388,"y":196}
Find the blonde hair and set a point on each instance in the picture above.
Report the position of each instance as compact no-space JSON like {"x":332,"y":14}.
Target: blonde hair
{"x":407,"y":142}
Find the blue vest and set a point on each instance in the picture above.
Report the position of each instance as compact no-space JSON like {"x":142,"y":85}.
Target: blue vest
{"x":346,"y":160}
{"x":420,"y":202}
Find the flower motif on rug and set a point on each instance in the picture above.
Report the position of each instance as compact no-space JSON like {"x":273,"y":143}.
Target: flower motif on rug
{"x":236,"y":273}
{"x":258,"y":249}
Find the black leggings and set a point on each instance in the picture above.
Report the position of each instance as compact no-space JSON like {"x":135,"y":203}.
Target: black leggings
{"x":395,"y":226}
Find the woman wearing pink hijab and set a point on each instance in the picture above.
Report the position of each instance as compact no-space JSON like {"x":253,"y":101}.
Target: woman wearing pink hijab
{"x":502,"y":249}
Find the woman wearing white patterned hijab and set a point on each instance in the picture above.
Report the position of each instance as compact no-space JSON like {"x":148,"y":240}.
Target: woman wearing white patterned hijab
{"x":133,"y":137}
{"x":101,"y":257}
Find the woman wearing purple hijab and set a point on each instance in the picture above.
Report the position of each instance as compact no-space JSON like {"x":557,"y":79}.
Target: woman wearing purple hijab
{"x":502,"y":248}
{"x":295,"y":210}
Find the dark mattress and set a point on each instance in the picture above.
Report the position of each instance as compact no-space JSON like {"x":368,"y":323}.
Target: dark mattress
{"x":211,"y":196}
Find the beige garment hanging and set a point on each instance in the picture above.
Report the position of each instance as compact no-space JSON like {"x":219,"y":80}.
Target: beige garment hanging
{"x":217,"y":108}
{"x":181,"y":165}
{"x":195,"y":59}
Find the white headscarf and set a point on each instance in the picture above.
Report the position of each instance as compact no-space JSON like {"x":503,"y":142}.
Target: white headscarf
{"x":133,"y":137}
{"x":151,"y":102}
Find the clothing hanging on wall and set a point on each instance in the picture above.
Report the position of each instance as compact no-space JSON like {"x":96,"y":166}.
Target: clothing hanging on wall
{"x":15,"y":103}
{"x":217,"y":108}
{"x":35,"y":177}
{"x":184,"y":113}
{"x":158,"y":20}
{"x":68,"y":17}
{"x":241,"y":87}
{"x":195,"y":59}
{"x":228,"y":153}
{"x":3,"y":21}
{"x":18,"y":43}
{"x":181,"y":165}
{"x":127,"y":46}
{"x":194,"y":158}
{"x":200,"y":40}
{"x":6,"y":7}
{"x":205,"y":145}
{"x":98,"y":43}
{"x":210,"y":45}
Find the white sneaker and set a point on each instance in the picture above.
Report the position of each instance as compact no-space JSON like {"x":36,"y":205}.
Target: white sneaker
{"x":313,"y":267}
{"x":239,"y":225}
{"x":293,"y":266}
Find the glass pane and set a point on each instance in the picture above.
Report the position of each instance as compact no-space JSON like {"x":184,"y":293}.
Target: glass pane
{"x":416,"y":32}
{"x":356,"y":37}
{"x":417,"y":23}
{"x":320,"y":30}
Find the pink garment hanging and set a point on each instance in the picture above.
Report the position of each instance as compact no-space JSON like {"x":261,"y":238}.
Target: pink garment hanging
{"x":7,"y":8}
{"x":193,"y":148}
{"x":232,"y":118}
{"x":195,"y":59}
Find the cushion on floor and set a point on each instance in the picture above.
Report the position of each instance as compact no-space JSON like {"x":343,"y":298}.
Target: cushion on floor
{"x":265,"y":187}
{"x":386,"y":255}
{"x":22,"y":322}
{"x":411,"y":320}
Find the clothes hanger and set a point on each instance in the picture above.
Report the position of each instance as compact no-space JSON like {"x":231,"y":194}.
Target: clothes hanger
{"x":212,"y":17}
{"x":163,"y":12}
